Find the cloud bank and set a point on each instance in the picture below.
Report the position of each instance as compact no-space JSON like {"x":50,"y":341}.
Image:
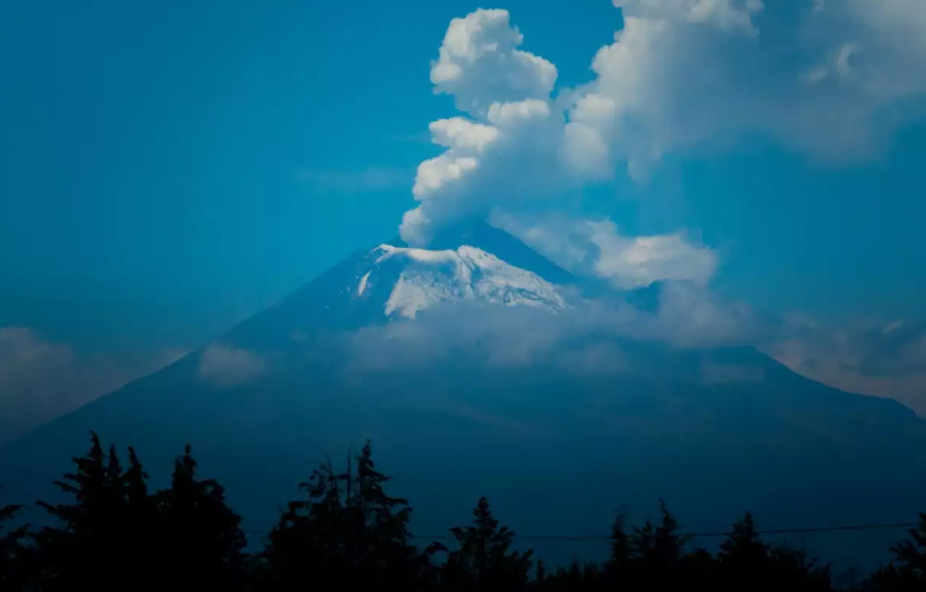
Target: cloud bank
{"x":830,"y":80}
{"x":581,"y":337}
{"x":886,"y":361}
{"x":602,"y":338}
{"x":40,"y":379}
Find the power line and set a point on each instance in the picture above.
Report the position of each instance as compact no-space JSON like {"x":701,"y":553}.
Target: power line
{"x":805,"y":530}
{"x":574,"y":538}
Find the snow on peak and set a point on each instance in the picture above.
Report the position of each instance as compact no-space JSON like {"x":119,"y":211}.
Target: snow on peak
{"x":467,"y":273}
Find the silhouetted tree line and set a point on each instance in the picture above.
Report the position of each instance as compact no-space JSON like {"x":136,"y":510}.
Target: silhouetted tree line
{"x":346,"y":533}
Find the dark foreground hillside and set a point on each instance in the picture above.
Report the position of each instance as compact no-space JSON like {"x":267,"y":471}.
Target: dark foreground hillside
{"x":553,"y":453}
{"x":345,"y":531}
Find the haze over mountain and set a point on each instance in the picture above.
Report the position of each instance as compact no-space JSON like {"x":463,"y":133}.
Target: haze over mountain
{"x":479,"y":367}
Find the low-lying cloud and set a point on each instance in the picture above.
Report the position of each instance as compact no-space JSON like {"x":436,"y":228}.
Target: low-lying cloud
{"x":591,"y":339}
{"x":42,"y":379}
{"x":584,"y":338}
{"x":886,"y":361}
{"x":224,"y":366}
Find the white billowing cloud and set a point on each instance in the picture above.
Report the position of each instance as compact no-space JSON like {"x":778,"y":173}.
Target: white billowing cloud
{"x":828,"y":79}
{"x":508,"y":157}
{"x":640,"y":261}
{"x":729,"y":16}
{"x":507,"y":148}
{"x":823,"y":78}
{"x":510,"y":114}
{"x":223,"y":366}
{"x":516,"y":148}
{"x":435,"y":173}
{"x":687,"y":72}
{"x":458,"y":133}
{"x":480,"y":64}
{"x":596,"y":248}
{"x":41,"y":379}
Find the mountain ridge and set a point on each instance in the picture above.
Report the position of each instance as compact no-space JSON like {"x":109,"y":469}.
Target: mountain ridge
{"x":597,"y":412}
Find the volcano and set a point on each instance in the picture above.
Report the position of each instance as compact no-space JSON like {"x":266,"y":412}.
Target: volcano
{"x":384,"y":346}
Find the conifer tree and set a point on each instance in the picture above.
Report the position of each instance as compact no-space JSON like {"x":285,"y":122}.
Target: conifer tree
{"x":114,"y":535}
{"x":669,"y":544}
{"x":140,"y":534}
{"x":743,"y":556}
{"x":379,"y":524}
{"x":348,"y":531}
{"x":793,"y":569}
{"x":12,"y":551}
{"x":305,"y":545}
{"x":142,"y":505}
{"x":908,"y":570}
{"x":619,"y":567}
{"x":643,"y":542}
{"x":657,"y":550}
{"x":911,"y":553}
{"x":198,"y":532}
{"x":541,"y":573}
{"x":89,"y":529}
{"x":620,"y":545}
{"x":483,"y":559}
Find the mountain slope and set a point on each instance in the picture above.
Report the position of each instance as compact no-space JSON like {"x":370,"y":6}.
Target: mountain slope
{"x":558,"y":438}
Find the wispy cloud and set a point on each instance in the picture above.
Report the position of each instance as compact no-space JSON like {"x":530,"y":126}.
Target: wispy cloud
{"x":359,"y":181}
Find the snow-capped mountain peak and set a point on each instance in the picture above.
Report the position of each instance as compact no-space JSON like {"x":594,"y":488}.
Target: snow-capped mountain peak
{"x":421,"y":278}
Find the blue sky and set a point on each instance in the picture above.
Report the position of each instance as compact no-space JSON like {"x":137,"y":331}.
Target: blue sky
{"x":170,"y":168}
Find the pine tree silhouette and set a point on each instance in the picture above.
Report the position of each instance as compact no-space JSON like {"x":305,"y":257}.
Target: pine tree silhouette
{"x":908,"y":570}
{"x":484,"y":560}
{"x":199,"y":534}
{"x":89,"y":530}
{"x":793,"y":569}
{"x":113,"y":534}
{"x":13,"y":572}
{"x":620,"y":545}
{"x":657,"y":550}
{"x":619,"y":568}
{"x":304,"y":548}
{"x":348,"y":532}
{"x":379,"y":525}
{"x":541,"y":572}
{"x":911,"y":554}
{"x":743,"y":557}
{"x":669,"y":545}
